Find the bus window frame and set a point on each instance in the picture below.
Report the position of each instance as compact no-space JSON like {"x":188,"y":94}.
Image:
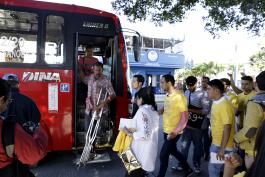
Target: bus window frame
{"x":64,"y":38}
{"x":118,"y":76}
{"x":39,"y":31}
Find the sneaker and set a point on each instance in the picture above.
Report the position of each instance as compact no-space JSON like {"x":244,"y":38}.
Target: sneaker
{"x":188,"y":173}
{"x":177,"y":168}
{"x":197,"y":169}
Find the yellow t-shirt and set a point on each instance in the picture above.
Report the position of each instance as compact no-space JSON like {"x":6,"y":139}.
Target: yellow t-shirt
{"x":174,"y":105}
{"x":242,"y":105}
{"x":222,"y":114}
{"x":233,"y":98}
{"x":253,"y":119}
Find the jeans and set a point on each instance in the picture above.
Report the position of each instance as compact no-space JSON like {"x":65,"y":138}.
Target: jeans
{"x":206,"y":141}
{"x":169,"y":148}
{"x":192,"y":135}
{"x":215,"y":169}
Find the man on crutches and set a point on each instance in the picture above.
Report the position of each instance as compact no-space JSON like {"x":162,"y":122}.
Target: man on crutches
{"x":99,"y":94}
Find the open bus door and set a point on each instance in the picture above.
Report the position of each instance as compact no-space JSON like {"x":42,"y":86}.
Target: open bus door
{"x":102,"y":50}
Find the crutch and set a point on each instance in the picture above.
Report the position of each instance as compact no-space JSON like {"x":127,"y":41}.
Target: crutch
{"x":91,"y":134}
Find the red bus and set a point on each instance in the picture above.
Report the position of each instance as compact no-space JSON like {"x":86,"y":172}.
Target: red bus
{"x":41,"y":42}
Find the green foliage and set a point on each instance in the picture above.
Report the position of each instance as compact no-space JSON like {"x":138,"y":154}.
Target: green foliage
{"x":257,"y":61}
{"x":203,"y":69}
{"x":222,"y":14}
{"x":230,"y":68}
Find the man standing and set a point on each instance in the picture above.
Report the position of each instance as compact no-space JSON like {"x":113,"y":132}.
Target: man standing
{"x":96,"y":82}
{"x":206,"y":139}
{"x":22,"y":109}
{"x":243,"y":98}
{"x":222,"y":124}
{"x":85,"y":67}
{"x":193,"y":132}
{"x":87,"y":62}
{"x":252,"y":121}
{"x":175,"y":117}
{"x":137,"y":84}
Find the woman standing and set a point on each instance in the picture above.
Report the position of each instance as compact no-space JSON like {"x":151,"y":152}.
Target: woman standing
{"x":145,"y":137}
{"x":15,"y":142}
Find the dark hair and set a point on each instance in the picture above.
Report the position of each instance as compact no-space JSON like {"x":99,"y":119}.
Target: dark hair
{"x":260,"y":79}
{"x":169,"y":78}
{"x":258,"y":166}
{"x":4,"y":89}
{"x":191,"y":80}
{"x":139,"y":78}
{"x":247,"y":78}
{"x":216,"y":83}
{"x":226,"y":81}
{"x":148,"y":96}
{"x":205,"y":77}
{"x":99,"y":64}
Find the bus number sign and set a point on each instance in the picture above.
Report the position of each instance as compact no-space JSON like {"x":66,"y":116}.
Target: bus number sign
{"x":95,"y":25}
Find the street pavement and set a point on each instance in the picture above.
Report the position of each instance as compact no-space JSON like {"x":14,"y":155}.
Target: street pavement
{"x":61,"y":164}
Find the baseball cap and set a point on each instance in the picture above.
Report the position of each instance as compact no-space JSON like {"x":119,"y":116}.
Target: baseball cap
{"x":10,"y":77}
{"x":191,"y":80}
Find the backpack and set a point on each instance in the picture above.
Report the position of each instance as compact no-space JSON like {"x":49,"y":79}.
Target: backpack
{"x":16,"y":169}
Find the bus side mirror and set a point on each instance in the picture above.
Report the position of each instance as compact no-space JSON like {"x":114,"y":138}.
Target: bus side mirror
{"x":137,"y":48}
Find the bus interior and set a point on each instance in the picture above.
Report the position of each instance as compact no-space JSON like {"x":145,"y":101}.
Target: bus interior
{"x":103,"y":50}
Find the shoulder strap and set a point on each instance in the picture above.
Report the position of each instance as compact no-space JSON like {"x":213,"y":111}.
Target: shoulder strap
{"x":189,"y":98}
{"x":8,"y":137}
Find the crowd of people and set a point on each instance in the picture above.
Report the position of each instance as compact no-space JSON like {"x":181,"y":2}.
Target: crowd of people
{"x":224,"y":123}
{"x":221,"y":120}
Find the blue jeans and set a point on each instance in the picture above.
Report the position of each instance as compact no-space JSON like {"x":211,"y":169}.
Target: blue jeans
{"x":216,"y":169}
{"x":195,"y":136}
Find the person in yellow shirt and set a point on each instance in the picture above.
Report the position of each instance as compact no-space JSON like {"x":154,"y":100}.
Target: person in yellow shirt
{"x":257,"y":168}
{"x":244,"y":95}
{"x":222,"y":124}
{"x":231,"y":96}
{"x":175,"y":118}
{"x":252,"y":121}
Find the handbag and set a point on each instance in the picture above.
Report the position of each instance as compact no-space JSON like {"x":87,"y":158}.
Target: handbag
{"x":129,"y":160}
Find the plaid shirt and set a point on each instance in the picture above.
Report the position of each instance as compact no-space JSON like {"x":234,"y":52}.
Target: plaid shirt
{"x":93,"y":90}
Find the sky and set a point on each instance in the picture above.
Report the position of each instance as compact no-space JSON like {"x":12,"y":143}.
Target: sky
{"x":199,"y":45}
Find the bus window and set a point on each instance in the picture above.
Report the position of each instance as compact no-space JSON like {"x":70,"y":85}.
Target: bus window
{"x":54,"y":44}
{"x":18,"y":36}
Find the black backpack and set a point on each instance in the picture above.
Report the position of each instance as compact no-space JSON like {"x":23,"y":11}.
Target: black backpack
{"x":16,"y":169}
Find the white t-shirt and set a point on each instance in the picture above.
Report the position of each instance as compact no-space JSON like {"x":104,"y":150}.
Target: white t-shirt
{"x":145,"y":138}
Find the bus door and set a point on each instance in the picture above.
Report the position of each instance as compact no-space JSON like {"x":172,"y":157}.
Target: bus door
{"x":101,"y":50}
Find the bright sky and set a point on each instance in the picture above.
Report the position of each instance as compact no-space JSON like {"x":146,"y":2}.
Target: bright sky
{"x":199,"y":44}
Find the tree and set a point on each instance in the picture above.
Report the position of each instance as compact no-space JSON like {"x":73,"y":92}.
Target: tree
{"x":222,"y":14}
{"x":230,"y":68}
{"x":257,"y":61}
{"x":203,"y":69}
